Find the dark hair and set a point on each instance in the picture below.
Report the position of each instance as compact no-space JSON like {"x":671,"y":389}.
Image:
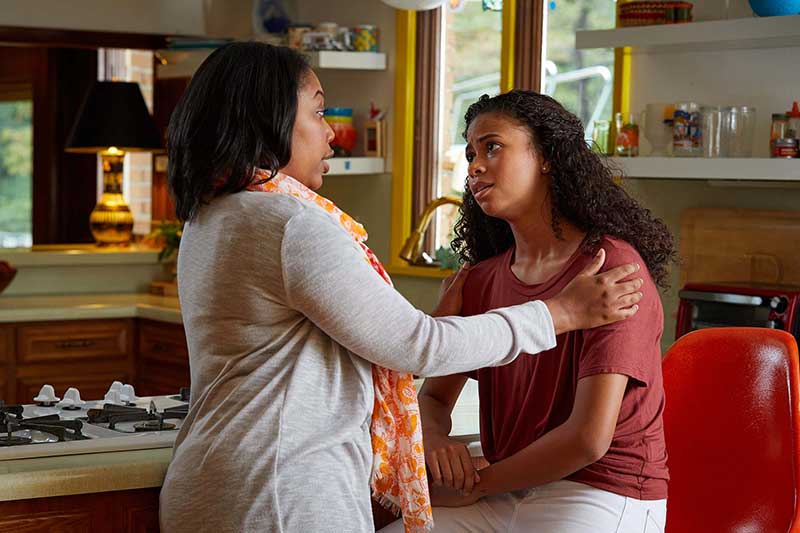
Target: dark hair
{"x":236,"y":115}
{"x":582,"y":189}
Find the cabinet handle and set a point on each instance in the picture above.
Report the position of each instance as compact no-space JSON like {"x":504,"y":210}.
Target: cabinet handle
{"x":160,"y":347}
{"x":81,"y":343}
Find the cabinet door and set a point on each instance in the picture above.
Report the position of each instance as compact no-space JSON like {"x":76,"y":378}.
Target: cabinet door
{"x":163,"y":359}
{"x":73,"y":341}
{"x":7,"y":364}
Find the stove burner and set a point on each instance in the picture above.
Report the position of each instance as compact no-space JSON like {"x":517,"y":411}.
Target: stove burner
{"x":153,"y":425}
{"x":13,"y":440}
{"x":152,"y":419}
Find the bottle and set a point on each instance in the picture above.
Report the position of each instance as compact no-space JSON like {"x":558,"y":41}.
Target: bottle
{"x":793,"y":126}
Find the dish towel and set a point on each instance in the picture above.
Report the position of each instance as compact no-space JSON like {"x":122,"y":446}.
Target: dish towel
{"x":398,"y":479}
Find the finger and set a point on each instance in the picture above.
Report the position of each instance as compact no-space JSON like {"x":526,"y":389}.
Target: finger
{"x":447,"y":472}
{"x":625,"y":288}
{"x":595,"y":264}
{"x":458,"y":470}
{"x":433,"y":468}
{"x":615,"y":274}
{"x":622,"y":314}
{"x":469,"y":471}
{"x":629,"y":300}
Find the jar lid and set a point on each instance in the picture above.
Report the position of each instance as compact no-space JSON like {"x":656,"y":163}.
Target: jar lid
{"x":785,"y":142}
{"x":779,"y":116}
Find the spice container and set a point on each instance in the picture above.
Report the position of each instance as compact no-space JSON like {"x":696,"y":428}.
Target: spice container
{"x":786,"y":148}
{"x":687,"y":136}
{"x":780,"y":123}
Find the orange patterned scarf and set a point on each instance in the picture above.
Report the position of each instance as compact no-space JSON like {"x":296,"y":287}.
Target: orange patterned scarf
{"x":398,"y":480}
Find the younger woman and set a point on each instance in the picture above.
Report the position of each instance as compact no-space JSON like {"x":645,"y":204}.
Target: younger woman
{"x":573,"y":437}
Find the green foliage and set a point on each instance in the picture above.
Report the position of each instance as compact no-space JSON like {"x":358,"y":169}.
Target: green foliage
{"x":16,"y":166}
{"x":170,"y":234}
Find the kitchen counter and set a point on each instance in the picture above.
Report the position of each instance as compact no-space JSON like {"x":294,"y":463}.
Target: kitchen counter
{"x":110,"y":471}
{"x":89,"y":306}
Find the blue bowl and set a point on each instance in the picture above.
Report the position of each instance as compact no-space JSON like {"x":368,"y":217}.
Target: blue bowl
{"x":775,"y":8}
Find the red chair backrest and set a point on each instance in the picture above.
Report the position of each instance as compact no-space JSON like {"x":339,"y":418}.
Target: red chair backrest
{"x":731,"y":425}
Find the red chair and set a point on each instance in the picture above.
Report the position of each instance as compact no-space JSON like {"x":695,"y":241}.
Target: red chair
{"x":732,"y":426}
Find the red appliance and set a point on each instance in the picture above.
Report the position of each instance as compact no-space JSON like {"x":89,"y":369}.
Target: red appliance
{"x":706,"y":305}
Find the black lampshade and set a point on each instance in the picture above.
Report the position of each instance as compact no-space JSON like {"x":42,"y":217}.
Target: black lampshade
{"x":113,"y":114}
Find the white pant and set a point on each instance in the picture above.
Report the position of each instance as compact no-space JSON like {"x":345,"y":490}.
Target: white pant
{"x":559,"y":507}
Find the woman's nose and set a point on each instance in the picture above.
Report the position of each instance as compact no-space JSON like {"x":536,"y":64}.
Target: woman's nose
{"x":329,"y":134}
{"x":476,"y":168}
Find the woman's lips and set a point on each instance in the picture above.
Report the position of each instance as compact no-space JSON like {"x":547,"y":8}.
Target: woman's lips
{"x":483,"y":191}
{"x":325,"y":167}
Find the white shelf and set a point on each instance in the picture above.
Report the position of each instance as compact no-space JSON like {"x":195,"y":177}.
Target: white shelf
{"x":355,"y":165}
{"x":760,"y":32}
{"x":699,"y":168}
{"x":348,"y":60}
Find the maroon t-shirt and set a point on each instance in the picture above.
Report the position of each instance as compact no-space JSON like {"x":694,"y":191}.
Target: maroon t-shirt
{"x":522,"y":401}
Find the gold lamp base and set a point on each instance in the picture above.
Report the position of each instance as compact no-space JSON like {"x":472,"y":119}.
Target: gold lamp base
{"x":111,"y":221}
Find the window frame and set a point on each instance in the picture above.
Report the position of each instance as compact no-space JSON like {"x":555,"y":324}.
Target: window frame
{"x":405,"y":206}
{"x":521,"y":68}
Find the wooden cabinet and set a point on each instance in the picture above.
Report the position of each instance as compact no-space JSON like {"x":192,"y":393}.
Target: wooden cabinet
{"x":87,"y":354}
{"x":127,"y":511}
{"x":162,"y":364}
{"x":90,"y":355}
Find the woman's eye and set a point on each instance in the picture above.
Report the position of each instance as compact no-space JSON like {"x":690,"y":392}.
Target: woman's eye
{"x":470,"y":157}
{"x":321,"y":113}
{"x":492,"y":146}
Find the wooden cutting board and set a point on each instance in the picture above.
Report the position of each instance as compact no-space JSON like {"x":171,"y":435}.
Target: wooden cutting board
{"x":740,"y":245}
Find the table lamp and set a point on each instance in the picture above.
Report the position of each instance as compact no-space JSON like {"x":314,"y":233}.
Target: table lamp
{"x":113,"y":119}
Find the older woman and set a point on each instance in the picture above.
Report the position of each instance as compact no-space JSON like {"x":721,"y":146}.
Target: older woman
{"x":292,"y":324}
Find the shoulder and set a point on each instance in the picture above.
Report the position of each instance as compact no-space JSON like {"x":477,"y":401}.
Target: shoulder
{"x":619,"y":252}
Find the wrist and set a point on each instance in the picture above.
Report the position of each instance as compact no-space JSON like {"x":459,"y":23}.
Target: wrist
{"x":559,"y":315}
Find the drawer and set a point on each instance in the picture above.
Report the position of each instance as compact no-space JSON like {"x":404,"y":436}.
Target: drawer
{"x":162,"y":343}
{"x":73,"y":341}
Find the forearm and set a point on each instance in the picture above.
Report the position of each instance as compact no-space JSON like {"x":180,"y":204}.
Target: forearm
{"x":554,"y":456}
{"x":435,"y":415}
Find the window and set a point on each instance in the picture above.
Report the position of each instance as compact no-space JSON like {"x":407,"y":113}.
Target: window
{"x":16,"y":173}
{"x":582,"y":80}
{"x":471,"y":60}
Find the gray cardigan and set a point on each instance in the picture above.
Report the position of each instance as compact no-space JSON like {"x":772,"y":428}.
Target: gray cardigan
{"x":284,"y":318}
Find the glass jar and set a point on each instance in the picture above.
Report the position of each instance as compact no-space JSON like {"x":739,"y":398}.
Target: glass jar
{"x":627,"y":143}
{"x":711,"y":140}
{"x":738,"y":124}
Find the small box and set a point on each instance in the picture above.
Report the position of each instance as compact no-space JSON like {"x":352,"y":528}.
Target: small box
{"x":374,"y":138}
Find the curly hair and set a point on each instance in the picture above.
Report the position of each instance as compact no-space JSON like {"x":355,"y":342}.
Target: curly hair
{"x":582,"y":189}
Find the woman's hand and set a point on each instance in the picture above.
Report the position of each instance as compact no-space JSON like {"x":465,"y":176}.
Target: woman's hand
{"x":449,"y":463}
{"x":450,"y":297}
{"x":447,"y":497}
{"x":593,"y":299}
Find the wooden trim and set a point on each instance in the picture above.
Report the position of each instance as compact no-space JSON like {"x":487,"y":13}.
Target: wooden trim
{"x":528,"y":45}
{"x":426,"y":111}
{"x":403,"y":141}
{"x":507,"y":49}
{"x":52,"y":38}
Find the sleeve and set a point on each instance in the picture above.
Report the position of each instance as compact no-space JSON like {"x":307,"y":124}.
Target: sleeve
{"x":327,"y":278}
{"x":630,"y":347}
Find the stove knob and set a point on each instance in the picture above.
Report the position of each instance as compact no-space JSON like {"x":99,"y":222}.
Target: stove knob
{"x":779,"y":304}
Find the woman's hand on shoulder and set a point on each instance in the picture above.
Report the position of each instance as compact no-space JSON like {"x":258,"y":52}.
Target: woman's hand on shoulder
{"x":592,"y":299}
{"x":450,"y":293}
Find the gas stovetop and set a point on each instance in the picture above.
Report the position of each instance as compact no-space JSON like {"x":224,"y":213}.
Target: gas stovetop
{"x":120,"y":421}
